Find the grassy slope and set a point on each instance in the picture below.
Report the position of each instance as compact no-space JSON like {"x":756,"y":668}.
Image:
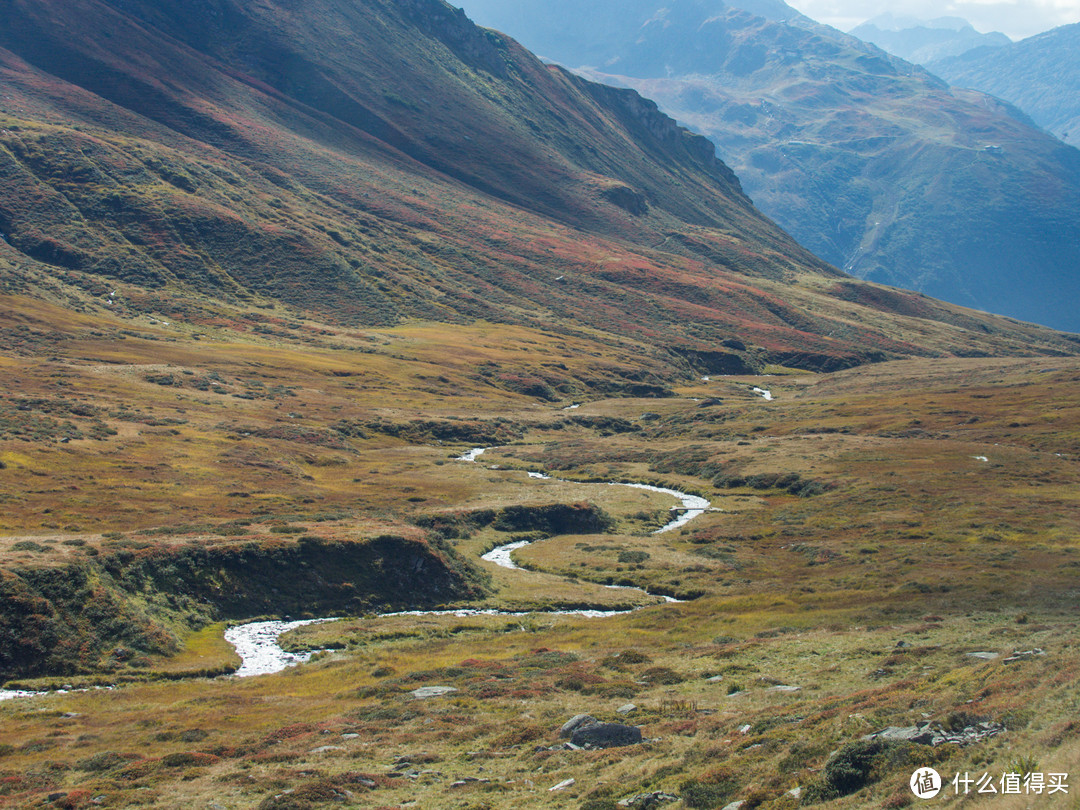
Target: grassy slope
{"x":910,"y":538}
{"x":374,"y":192}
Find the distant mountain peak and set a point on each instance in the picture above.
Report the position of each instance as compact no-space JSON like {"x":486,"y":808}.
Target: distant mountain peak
{"x":775,"y":10}
{"x":873,"y":163}
{"x":924,"y":41}
{"x":891,"y":22}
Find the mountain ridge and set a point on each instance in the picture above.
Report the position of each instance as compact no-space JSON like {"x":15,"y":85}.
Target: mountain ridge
{"x":532,"y":196}
{"x":873,"y":163}
{"x":924,"y":41}
{"x":1040,"y":75}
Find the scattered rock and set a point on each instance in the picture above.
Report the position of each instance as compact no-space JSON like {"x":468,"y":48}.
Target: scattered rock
{"x":735,"y":805}
{"x":745,"y":729}
{"x":785,"y":688}
{"x":902,"y":645}
{"x":626,"y":709}
{"x":647,"y":801}
{"x":984,"y":656}
{"x":470,"y":780}
{"x":563,"y":746}
{"x":923,"y":735}
{"x":795,"y":793}
{"x":350,"y":736}
{"x":562,"y":785}
{"x":323,"y":749}
{"x":934,"y":735}
{"x":1019,"y":656}
{"x":606,"y":735}
{"x":425,"y":692}
{"x":574,"y":723}
{"x":715,"y":679}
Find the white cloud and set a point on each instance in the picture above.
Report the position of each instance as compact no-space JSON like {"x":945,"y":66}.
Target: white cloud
{"x":1017,"y":18}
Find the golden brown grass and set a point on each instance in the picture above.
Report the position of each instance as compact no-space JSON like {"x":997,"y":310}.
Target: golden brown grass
{"x":914,"y":539}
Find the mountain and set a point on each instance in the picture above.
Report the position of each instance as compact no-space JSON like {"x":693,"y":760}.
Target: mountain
{"x":1040,"y":75}
{"x":923,"y":41}
{"x":381,"y":161}
{"x":492,"y":386}
{"x":873,"y":163}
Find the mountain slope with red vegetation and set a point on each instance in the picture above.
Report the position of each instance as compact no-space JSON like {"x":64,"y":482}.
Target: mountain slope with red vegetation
{"x":378,"y":160}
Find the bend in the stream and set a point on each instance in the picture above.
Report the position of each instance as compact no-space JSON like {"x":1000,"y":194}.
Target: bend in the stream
{"x":693,"y":506}
{"x":257,"y":642}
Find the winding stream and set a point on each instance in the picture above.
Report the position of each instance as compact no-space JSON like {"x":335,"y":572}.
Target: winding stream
{"x":257,"y":645}
{"x":257,"y":642}
{"x":11,"y":694}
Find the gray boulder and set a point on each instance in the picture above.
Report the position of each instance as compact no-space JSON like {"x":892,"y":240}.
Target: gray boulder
{"x":923,"y":735}
{"x":426,"y":692}
{"x":574,"y":723}
{"x":606,"y":735}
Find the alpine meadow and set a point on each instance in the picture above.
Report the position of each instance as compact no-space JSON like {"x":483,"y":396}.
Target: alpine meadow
{"x":390,"y":418}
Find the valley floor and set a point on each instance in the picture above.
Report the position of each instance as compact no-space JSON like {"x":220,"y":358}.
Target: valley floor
{"x":889,"y":546}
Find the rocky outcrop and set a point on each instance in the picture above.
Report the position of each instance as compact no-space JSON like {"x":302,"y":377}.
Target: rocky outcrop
{"x":606,"y":735}
{"x":934,"y":735}
{"x":473,"y":45}
{"x":627,"y":198}
{"x":574,"y":723}
{"x":585,"y":731}
{"x":642,"y":114}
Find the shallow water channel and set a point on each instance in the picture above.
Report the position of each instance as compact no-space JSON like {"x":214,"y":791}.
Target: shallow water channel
{"x":257,"y":642}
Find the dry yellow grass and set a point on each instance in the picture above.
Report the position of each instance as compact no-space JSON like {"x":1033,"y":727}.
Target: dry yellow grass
{"x":911,"y":537}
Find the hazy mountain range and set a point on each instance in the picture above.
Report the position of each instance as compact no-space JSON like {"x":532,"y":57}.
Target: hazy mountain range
{"x":923,"y":41}
{"x":1040,"y":75}
{"x":873,"y":163}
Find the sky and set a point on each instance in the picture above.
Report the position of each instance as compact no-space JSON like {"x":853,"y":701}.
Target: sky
{"x":1016,"y":18}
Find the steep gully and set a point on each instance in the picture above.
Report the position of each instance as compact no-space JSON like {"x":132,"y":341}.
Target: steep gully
{"x":257,"y":642}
